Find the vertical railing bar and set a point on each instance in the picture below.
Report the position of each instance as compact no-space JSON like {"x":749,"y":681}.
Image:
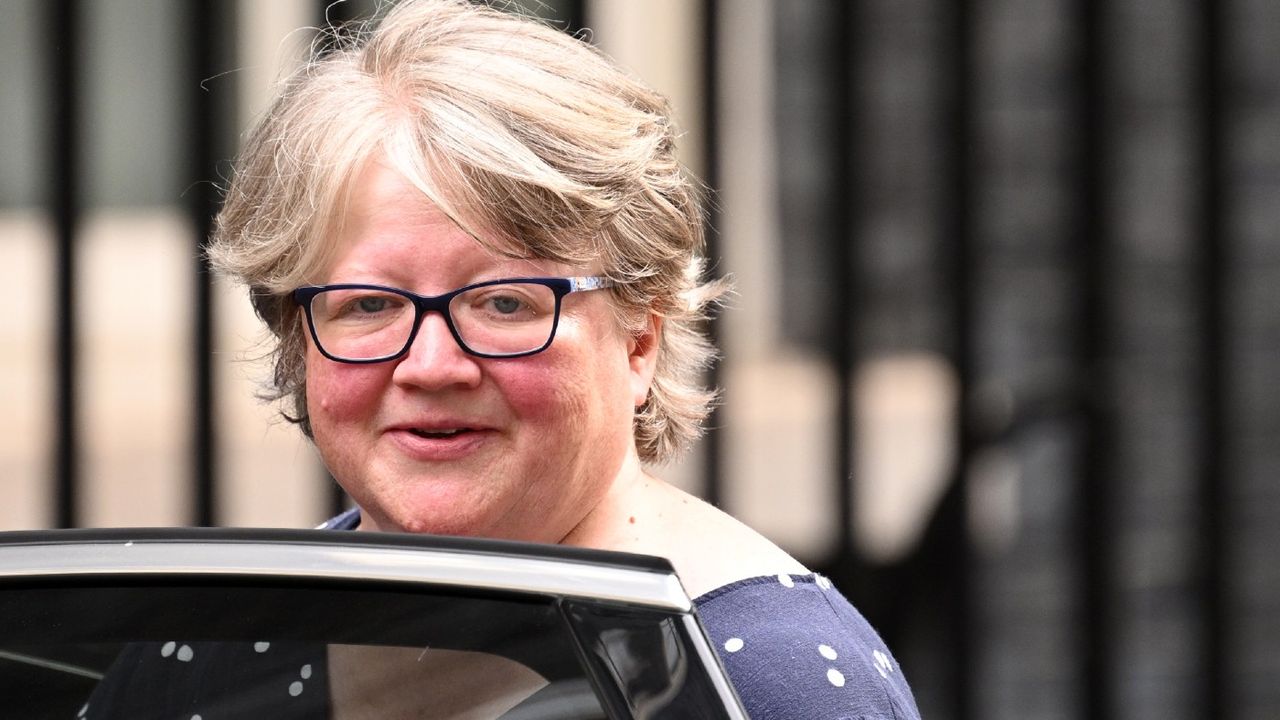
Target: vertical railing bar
{"x":63,"y":37}
{"x":342,"y":16}
{"x":961,"y":174}
{"x":844,"y":322}
{"x":1214,"y":458}
{"x":203,"y":31}
{"x":711,"y":443}
{"x":331,"y":16}
{"x":338,"y":500}
{"x":575,"y":17}
{"x":1094,"y":499}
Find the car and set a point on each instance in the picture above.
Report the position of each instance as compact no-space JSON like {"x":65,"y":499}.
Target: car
{"x":209,"y":623}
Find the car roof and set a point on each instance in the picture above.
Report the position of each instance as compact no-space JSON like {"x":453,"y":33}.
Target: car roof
{"x":481,"y":564}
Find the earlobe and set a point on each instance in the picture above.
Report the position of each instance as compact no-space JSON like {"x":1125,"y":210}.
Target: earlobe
{"x":643,"y":358}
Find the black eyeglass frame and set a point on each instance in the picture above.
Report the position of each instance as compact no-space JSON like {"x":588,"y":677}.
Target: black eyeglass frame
{"x":423,"y":304}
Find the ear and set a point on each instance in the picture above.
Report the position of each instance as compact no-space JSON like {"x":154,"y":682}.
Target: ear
{"x":642,"y":357}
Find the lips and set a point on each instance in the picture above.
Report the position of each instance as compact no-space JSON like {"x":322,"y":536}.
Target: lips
{"x":439,"y":441}
{"x":438,"y":426}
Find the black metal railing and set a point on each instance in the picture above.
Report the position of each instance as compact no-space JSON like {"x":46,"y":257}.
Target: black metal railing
{"x":207,"y":30}
{"x":64,"y":44}
{"x":1075,"y":401}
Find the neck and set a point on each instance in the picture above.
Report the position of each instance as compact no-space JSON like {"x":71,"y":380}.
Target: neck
{"x":602,"y":527}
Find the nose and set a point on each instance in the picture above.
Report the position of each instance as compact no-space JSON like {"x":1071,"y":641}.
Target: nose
{"x":435,"y":360}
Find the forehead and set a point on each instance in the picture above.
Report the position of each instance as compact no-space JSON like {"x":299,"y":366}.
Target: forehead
{"x":380,"y":196}
{"x":388,"y":224}
{"x":384,"y":199}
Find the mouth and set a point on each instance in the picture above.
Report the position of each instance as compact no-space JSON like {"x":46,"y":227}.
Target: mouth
{"x":440,"y":443}
{"x":439,"y":434}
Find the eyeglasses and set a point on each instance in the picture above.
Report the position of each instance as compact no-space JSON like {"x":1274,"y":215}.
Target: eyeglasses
{"x":507,"y":318}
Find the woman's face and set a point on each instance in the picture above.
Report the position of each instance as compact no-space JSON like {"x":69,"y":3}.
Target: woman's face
{"x":539,"y":439}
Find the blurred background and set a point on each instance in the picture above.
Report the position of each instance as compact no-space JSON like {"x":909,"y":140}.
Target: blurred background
{"x":1001,"y":362}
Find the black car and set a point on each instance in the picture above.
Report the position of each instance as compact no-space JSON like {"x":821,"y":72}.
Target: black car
{"x":204,"y":623}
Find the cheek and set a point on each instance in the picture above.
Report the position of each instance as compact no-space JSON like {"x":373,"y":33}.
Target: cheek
{"x":567,"y":392}
{"x":541,"y":389}
{"x":337,"y":392}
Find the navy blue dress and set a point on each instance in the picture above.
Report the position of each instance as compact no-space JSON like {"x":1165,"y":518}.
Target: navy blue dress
{"x":794,"y":647}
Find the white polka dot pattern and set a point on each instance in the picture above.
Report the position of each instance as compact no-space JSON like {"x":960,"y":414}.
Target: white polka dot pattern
{"x":834,"y":676}
{"x":807,"y":652}
{"x":185,"y":667}
{"x":883,"y":664}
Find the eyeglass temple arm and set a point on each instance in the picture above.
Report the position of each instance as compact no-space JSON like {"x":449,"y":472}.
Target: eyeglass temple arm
{"x":578,"y":284}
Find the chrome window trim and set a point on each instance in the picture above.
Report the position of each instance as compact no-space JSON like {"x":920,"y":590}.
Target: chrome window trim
{"x":454,"y":568}
{"x":719,"y":679}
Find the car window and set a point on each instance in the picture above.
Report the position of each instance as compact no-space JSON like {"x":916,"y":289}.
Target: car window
{"x":213,"y":650}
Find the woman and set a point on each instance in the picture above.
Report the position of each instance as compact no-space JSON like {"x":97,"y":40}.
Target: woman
{"x":472,"y":239}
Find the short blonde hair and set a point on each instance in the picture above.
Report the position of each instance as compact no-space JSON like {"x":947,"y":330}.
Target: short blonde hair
{"x":529,"y":139}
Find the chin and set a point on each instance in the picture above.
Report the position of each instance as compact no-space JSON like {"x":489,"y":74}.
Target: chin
{"x":420,"y":525}
{"x":431,"y":523}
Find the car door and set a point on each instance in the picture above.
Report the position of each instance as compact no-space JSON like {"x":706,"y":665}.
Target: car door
{"x":201,"y":623}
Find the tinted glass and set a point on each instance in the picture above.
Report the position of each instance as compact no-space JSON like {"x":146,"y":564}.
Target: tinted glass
{"x":647,"y":656}
{"x":280,"y":652}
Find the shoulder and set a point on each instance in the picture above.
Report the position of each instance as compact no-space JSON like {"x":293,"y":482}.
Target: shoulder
{"x":710,"y":548}
{"x":706,"y":546}
{"x":794,"y":647}
{"x":347,"y":520}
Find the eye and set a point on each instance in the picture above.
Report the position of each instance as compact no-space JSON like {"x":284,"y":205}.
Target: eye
{"x":365,"y":305}
{"x":360,"y":305}
{"x":371,"y":304}
{"x":505,"y":304}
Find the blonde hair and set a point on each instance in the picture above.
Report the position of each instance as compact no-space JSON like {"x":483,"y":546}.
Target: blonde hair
{"x":527,"y":138}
